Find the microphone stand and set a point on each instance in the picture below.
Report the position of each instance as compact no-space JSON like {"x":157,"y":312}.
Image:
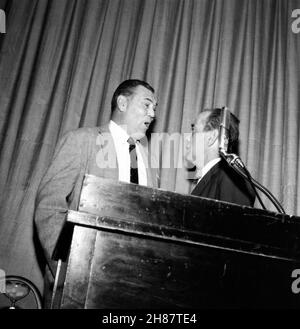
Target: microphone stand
{"x":237,"y":164}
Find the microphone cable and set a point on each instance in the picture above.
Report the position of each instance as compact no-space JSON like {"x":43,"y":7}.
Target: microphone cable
{"x":237,"y":164}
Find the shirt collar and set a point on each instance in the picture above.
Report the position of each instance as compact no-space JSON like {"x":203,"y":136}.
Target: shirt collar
{"x":118,"y":132}
{"x":209,"y":165}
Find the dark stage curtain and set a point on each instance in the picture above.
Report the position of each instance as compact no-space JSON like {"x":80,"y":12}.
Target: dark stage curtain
{"x":60,"y":61}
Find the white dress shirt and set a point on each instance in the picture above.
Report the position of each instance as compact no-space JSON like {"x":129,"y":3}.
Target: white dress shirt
{"x":120,"y":138}
{"x":207,"y":167}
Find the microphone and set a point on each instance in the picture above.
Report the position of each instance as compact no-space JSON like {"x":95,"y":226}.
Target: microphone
{"x":224,"y":131}
{"x":237,"y":164}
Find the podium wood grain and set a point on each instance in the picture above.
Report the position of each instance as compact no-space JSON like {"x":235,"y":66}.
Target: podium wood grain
{"x":137,"y":247}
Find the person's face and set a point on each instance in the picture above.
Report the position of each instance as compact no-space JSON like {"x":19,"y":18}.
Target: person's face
{"x":139,"y":112}
{"x":196,"y":144}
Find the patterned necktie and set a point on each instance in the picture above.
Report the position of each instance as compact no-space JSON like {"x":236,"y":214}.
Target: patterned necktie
{"x":134,"y":176}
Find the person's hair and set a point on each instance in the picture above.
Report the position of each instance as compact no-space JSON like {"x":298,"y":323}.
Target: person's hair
{"x":213,"y":121}
{"x":127,"y":88}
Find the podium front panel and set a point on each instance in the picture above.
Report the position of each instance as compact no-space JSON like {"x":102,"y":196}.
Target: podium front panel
{"x":137,"y":247}
{"x":108,"y":269}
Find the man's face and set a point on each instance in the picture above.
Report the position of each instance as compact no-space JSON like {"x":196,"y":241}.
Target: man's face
{"x":196,"y":144}
{"x":140,"y":112}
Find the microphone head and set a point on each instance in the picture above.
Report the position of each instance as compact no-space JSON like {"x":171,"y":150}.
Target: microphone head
{"x":224,"y":131}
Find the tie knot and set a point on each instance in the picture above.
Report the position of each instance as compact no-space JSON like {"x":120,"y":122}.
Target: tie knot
{"x":131,"y":141}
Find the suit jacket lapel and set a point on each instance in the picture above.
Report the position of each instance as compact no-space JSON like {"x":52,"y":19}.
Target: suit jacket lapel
{"x":151,"y":172}
{"x":207,"y":179}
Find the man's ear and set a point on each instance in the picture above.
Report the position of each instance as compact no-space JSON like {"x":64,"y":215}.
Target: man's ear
{"x":213,"y":137}
{"x":122,"y":103}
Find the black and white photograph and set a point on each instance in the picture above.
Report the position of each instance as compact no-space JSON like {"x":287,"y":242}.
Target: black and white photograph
{"x":149,"y":158}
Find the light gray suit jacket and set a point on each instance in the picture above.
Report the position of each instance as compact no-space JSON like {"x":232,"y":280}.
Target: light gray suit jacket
{"x":79,"y":152}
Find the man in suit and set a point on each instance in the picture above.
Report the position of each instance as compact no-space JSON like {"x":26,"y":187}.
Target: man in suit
{"x":100,"y":151}
{"x":215,"y":178}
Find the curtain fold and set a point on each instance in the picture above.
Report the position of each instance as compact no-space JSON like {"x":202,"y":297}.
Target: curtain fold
{"x":61,"y":60}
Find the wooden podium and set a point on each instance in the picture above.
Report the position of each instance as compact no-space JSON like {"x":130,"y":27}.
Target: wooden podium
{"x":138,"y":247}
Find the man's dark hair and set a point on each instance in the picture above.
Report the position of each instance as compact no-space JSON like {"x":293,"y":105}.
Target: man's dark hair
{"x":213,"y":122}
{"x":127,"y":88}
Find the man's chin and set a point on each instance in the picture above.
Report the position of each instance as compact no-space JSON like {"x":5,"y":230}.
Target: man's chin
{"x":189,"y":163}
{"x":138,"y":135}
